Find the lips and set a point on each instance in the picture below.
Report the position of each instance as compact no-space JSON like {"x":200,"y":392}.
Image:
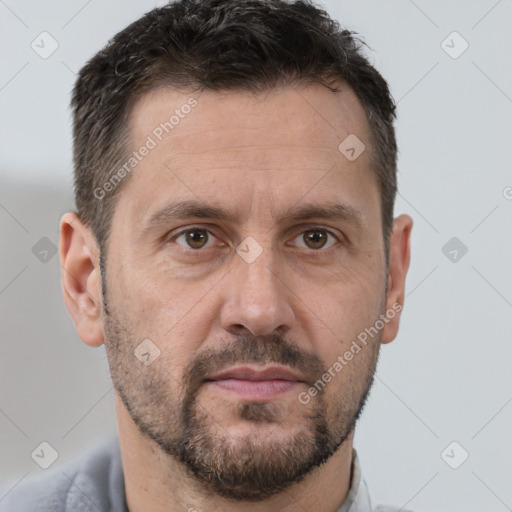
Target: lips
{"x":255,"y":384}
{"x":251,"y":374}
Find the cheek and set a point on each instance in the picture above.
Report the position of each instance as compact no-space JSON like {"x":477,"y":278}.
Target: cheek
{"x":339,"y":312}
{"x":176,"y":322}
{"x":162,"y":303}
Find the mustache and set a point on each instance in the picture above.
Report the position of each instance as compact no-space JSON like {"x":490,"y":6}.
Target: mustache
{"x":247,"y":348}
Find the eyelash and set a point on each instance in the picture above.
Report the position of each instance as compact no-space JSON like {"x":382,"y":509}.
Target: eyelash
{"x":172,"y":237}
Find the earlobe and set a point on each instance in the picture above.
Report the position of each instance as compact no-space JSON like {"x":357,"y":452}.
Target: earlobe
{"x":399,"y":259}
{"x":81,"y":279}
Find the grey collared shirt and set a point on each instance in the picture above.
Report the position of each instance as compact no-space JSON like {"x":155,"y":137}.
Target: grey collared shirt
{"x":358,"y":497}
{"x":94,"y":482}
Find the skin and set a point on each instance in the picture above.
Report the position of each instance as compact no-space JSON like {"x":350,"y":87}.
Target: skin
{"x":211,"y":310}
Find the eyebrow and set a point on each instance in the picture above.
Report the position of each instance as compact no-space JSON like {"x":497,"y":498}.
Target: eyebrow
{"x":180,"y":210}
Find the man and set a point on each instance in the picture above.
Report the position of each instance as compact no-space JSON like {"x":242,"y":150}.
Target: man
{"x":235,"y":250}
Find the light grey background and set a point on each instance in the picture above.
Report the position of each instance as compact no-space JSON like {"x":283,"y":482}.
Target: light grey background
{"x":445,"y":378}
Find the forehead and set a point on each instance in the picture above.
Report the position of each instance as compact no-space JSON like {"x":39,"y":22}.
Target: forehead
{"x":222,"y":146}
{"x":311,"y":114}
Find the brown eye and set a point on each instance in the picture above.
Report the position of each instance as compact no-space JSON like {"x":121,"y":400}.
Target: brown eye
{"x":194,"y":238}
{"x":316,"y":239}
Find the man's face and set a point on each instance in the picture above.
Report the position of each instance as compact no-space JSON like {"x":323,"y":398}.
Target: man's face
{"x":266,"y":288}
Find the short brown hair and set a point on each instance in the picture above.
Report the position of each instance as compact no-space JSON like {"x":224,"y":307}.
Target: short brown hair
{"x":218,"y":45}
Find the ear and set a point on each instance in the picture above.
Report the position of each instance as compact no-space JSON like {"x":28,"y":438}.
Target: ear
{"x":399,"y":257}
{"x":81,"y":278}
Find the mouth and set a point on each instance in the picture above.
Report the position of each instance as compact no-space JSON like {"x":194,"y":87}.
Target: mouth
{"x":255,"y":384}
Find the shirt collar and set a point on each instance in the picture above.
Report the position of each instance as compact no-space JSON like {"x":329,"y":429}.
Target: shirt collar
{"x":358,"y":498}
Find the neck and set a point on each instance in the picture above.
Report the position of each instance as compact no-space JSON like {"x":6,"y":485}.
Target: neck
{"x":156,"y":482}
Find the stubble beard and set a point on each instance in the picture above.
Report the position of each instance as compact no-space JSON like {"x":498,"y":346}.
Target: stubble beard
{"x":246,"y":468}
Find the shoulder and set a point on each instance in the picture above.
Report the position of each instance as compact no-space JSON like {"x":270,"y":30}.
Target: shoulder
{"x":81,"y":484}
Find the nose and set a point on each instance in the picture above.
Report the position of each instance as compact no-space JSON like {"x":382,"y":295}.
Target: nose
{"x":257,"y":298}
